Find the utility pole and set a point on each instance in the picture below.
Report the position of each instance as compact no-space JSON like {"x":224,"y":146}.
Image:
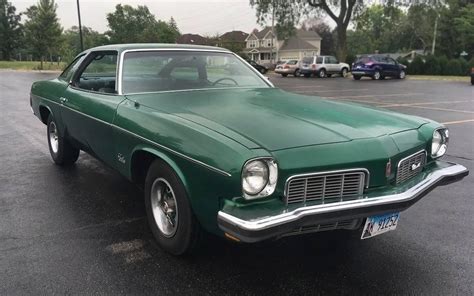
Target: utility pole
{"x":434,"y":35}
{"x":80,"y":25}
{"x":273,"y":32}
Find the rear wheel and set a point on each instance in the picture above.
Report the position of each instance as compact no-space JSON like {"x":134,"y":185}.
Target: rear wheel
{"x":356,"y":77}
{"x":376,"y":75}
{"x":322,"y":73}
{"x":297,"y":73}
{"x":169,"y":213}
{"x":263,"y":70}
{"x":284,"y":74}
{"x":62,"y":152}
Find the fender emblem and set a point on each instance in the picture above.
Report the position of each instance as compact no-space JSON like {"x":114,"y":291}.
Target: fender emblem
{"x":121,"y":158}
{"x":415,"y":166}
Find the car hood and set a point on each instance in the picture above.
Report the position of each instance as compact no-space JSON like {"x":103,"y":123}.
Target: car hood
{"x":273,"y":119}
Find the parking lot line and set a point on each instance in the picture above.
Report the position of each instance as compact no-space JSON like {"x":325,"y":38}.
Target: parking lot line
{"x":441,"y":109}
{"x":424,"y":103}
{"x":458,"y":121}
{"x":333,"y":90}
{"x":383,"y":95}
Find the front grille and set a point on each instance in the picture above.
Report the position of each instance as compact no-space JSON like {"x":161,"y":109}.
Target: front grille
{"x":325,"y":187}
{"x":410,"y":166}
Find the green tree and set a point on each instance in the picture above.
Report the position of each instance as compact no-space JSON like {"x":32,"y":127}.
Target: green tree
{"x":340,"y":11}
{"x":71,"y":45}
{"x":133,"y":25}
{"x":42,"y":29}
{"x":10,"y":29}
{"x":328,"y":45}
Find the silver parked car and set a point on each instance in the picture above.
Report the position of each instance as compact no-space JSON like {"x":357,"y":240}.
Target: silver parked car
{"x":323,"y":66}
{"x":289,"y":67}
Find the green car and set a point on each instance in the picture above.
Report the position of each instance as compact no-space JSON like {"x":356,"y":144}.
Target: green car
{"x":217,"y":148}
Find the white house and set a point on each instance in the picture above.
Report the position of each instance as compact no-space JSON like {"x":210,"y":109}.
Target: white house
{"x":262,"y":45}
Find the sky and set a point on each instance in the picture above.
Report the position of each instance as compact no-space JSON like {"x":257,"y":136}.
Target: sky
{"x":192,"y":16}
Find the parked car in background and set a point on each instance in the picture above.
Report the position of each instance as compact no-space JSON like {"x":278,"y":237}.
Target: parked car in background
{"x":323,"y":66}
{"x":217,"y":148}
{"x":472,"y":76}
{"x":377,"y":67}
{"x":289,"y":67}
{"x":260,"y":68}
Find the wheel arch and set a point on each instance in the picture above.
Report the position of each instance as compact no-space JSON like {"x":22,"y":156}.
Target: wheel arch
{"x":44,"y":111}
{"x":141,"y":159}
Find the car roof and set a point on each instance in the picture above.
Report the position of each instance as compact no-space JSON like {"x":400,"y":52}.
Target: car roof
{"x":134,"y":46}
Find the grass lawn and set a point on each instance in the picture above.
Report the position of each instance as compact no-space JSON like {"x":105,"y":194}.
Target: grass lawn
{"x":16,"y":65}
{"x":438,"y":77}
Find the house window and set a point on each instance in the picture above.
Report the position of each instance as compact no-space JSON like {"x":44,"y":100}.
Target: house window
{"x":252,"y":43}
{"x":268,"y":42}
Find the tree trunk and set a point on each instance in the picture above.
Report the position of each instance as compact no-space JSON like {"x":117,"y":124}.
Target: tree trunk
{"x":341,"y":46}
{"x":41,"y":64}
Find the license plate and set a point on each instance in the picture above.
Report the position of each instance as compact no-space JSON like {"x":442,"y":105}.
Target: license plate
{"x":376,"y":225}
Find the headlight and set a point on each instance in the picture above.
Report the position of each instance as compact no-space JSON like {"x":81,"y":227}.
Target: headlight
{"x":439,"y":144}
{"x":259,"y":177}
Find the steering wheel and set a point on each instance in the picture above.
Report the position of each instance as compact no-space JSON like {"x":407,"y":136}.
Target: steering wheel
{"x":225,"y":78}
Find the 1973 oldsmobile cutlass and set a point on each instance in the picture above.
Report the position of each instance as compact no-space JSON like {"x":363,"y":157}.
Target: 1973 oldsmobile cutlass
{"x":216,"y":147}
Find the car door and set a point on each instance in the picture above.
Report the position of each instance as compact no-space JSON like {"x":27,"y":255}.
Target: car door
{"x":332,"y":64}
{"x":393,"y":66}
{"x":90,"y":103}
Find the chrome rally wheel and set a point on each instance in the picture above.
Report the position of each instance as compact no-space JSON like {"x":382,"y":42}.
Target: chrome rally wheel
{"x":53,"y":137}
{"x":164,"y":207}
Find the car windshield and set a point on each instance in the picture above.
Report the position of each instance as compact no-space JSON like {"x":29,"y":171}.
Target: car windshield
{"x":154,"y":71}
{"x":308,"y":60}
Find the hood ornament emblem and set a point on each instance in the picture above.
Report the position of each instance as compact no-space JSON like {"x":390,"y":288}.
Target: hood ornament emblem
{"x":415,"y":166}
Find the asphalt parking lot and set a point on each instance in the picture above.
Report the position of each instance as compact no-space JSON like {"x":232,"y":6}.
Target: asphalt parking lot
{"x":82,"y":230}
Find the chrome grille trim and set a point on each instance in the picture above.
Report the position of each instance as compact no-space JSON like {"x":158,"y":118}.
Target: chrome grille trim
{"x":329,"y":186}
{"x":404,"y":171}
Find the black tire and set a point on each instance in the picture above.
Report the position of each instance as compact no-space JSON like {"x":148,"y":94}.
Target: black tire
{"x":307,"y":75}
{"x":263,"y":70}
{"x":377,"y":75}
{"x":356,"y":77}
{"x":401,"y":74}
{"x":62,"y":152}
{"x":297,"y":73}
{"x":188,"y":233}
{"x":472,"y":80}
{"x":322,"y":73}
{"x":344,"y":72}
{"x":284,"y":75}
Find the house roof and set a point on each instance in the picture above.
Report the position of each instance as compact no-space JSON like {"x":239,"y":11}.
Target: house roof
{"x":296,"y":43}
{"x":192,"y":39}
{"x":236,"y":36}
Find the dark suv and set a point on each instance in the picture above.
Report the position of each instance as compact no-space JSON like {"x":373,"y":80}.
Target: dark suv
{"x":377,"y":67}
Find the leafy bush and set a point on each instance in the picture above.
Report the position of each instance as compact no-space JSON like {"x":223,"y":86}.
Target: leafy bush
{"x":417,"y":66}
{"x":432,"y":66}
{"x":350,"y":59}
{"x":453,"y":67}
{"x":464,"y":66}
{"x":443,"y":65}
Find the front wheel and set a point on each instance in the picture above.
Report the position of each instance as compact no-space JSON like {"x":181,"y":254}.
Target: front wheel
{"x":356,"y":77}
{"x":62,"y":152}
{"x":402,"y":74}
{"x":284,"y":75}
{"x":169,"y":212}
{"x":344,"y":72}
{"x":263,"y":70}
{"x":297,"y":73}
{"x":307,"y":75}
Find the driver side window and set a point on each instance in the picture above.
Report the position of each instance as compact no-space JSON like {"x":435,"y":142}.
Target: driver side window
{"x":99,"y":73}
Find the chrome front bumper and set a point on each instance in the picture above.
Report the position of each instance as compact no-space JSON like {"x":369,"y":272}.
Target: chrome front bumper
{"x":253,"y":230}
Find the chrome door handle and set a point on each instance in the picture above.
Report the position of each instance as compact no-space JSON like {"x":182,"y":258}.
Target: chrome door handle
{"x":62,"y":100}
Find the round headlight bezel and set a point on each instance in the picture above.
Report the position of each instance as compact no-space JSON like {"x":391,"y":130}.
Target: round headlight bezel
{"x":268,"y":184}
{"x":441,"y":136}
